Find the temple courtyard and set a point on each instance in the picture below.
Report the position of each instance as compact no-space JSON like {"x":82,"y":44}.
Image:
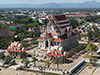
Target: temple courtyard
{"x":18,"y":72}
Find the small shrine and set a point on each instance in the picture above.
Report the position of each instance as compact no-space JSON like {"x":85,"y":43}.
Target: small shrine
{"x":16,"y":50}
{"x":56,"y":51}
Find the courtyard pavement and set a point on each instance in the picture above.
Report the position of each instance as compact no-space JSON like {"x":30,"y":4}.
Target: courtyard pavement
{"x":87,"y":71}
{"x":65,"y":66}
{"x":97,"y":71}
{"x":18,"y":72}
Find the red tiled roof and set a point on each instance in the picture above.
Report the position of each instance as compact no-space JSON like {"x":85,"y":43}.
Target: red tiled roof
{"x":53,"y":33}
{"x":50,"y":35}
{"x":57,"y":39}
{"x":18,"y":50}
{"x":6,"y":32}
{"x":41,"y":38}
{"x":29,"y":31}
{"x":83,"y":33}
{"x":50,"y":53}
{"x":63,"y":37}
{"x":60,"y":17}
{"x":40,"y":16}
{"x":78,"y":15}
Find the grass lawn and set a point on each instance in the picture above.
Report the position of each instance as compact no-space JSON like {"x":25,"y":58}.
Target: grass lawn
{"x":94,"y":70}
{"x":87,"y":56}
{"x":42,"y":61}
{"x":93,"y":56}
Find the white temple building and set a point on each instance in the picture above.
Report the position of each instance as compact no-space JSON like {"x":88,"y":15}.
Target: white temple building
{"x":58,"y":33}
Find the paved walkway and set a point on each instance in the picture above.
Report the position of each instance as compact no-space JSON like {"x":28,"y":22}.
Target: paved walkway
{"x":87,"y":71}
{"x":18,"y":72}
{"x":67,"y":66}
{"x":62,"y":66}
{"x":97,"y":71}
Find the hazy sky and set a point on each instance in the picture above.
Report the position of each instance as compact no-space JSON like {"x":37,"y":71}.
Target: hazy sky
{"x":41,"y":1}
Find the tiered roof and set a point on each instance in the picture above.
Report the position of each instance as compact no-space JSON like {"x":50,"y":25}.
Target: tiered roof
{"x":60,"y":17}
{"x":57,"y":51}
{"x":59,"y":21}
{"x":16,"y":47}
{"x":61,"y":38}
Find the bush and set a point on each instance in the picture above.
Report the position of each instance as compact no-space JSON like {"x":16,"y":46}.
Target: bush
{"x":25,"y":61}
{"x":70,"y":54}
{"x":81,"y":47}
{"x":34,"y":59}
{"x":73,"y":51}
{"x":7,"y":59}
{"x":2,"y":56}
{"x":34,"y":42}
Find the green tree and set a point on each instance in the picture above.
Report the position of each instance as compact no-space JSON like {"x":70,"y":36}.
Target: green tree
{"x":4,"y":26}
{"x":7,"y":59}
{"x":93,"y":61}
{"x":48,"y":63}
{"x":91,"y":47}
{"x":2,"y":56}
{"x":26,"y":62}
{"x":90,"y":35}
{"x":34,"y":59}
{"x":57,"y":60}
{"x":73,"y":23}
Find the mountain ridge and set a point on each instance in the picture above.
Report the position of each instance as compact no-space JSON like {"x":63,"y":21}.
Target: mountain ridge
{"x":87,"y":4}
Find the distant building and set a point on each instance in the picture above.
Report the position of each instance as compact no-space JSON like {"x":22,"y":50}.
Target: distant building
{"x":42,"y":18}
{"x":48,"y":16}
{"x":33,"y":18}
{"x":12,"y":27}
{"x":6,"y":32}
{"x":58,"y":33}
{"x":98,"y":13}
{"x":32,"y":29}
{"x":77,"y":15}
{"x":43,"y":28}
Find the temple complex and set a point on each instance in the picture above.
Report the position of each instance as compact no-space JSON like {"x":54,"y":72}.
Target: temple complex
{"x":16,"y":50}
{"x":58,"y":34}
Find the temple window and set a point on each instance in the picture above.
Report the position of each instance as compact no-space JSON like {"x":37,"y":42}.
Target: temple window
{"x":65,"y":30}
{"x":54,"y":43}
{"x":57,"y":43}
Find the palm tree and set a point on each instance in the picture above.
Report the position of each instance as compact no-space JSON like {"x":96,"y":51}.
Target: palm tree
{"x":58,"y":60}
{"x":48,"y":63}
{"x":2,"y":56}
{"x":91,"y":47}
